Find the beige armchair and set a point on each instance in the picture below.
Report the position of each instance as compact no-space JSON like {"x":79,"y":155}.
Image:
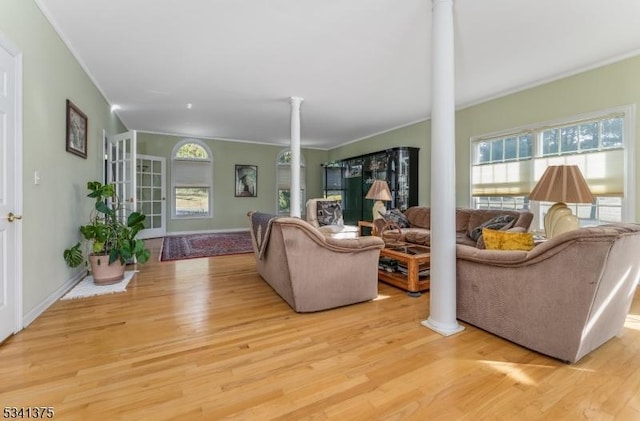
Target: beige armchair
{"x":334,"y":229}
{"x":564,"y":298}
{"x":312,"y":272}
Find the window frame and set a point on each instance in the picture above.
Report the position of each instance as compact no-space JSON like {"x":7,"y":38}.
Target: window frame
{"x":628,"y":112}
{"x":208,"y":183}
{"x":303,"y":181}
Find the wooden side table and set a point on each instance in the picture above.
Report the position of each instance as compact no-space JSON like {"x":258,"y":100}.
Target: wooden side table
{"x":366,"y":224}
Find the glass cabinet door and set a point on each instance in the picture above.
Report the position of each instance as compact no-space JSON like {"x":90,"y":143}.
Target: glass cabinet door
{"x":398,"y":166}
{"x":352,"y":201}
{"x":333,"y":181}
{"x":401,"y":194}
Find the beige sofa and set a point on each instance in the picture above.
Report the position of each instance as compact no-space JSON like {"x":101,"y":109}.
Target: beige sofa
{"x":312,"y":272}
{"x":564,"y":298}
{"x":419,"y":230}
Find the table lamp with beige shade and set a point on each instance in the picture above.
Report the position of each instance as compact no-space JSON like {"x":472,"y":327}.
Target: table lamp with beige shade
{"x":379,"y":192}
{"x":562,"y":184}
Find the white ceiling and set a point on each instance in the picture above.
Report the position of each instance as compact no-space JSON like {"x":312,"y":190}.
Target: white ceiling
{"x":362,"y":66}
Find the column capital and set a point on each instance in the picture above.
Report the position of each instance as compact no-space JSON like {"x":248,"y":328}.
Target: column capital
{"x":296,"y":101}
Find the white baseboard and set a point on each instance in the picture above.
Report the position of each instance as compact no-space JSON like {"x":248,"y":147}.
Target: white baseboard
{"x":28,"y":318}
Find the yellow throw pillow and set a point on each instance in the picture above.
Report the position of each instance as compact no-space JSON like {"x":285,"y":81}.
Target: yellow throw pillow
{"x":506,"y":240}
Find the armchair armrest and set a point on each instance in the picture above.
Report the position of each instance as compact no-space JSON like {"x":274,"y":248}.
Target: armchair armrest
{"x":491,"y":257}
{"x":358,"y":243}
{"x":334,"y":244}
{"x":382,"y":225}
{"x":543,"y":251}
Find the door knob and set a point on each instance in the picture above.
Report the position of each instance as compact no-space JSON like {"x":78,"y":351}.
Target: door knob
{"x":12,"y":217}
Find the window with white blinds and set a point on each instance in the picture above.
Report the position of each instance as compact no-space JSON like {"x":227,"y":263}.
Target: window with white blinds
{"x":192,"y":179}
{"x":509,"y":165}
{"x":191,"y":173}
{"x":284,"y":177}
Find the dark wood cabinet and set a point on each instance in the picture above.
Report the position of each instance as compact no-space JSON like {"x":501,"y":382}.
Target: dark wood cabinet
{"x":349,"y":180}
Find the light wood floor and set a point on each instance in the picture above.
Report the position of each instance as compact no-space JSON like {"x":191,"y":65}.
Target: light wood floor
{"x":208,"y":339}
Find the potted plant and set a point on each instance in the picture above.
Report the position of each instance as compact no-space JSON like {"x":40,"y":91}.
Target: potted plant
{"x":111,"y":241}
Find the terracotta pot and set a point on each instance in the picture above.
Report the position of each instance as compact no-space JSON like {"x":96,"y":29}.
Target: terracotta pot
{"x":105,"y":273}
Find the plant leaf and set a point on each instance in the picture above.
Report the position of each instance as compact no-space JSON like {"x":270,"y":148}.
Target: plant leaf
{"x":114,"y":254}
{"x":73,"y":256}
{"x":135,"y":218}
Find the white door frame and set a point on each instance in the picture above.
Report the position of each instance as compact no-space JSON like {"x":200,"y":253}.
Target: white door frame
{"x":14,"y":204}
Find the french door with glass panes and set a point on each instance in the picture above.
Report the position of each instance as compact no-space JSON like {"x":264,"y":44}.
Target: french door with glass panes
{"x":120,"y":152}
{"x":150,"y":194}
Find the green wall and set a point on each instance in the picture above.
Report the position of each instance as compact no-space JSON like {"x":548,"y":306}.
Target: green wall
{"x":609,"y":86}
{"x":53,"y":209}
{"x":230,"y":212}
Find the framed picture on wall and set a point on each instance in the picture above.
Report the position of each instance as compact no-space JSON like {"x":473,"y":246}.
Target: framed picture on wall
{"x":246,"y":180}
{"x":77,"y":125}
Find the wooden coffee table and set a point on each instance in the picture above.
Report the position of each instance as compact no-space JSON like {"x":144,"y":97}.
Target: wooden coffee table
{"x":416,"y":258}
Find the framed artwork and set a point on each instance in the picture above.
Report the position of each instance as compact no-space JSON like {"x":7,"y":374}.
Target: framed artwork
{"x":246,"y":180}
{"x":76,"y":131}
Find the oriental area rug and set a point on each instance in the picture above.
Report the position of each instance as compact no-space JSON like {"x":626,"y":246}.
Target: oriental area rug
{"x":190,"y":246}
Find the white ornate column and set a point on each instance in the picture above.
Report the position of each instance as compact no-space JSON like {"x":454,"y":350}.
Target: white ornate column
{"x":295,"y":156}
{"x":442,"y":317}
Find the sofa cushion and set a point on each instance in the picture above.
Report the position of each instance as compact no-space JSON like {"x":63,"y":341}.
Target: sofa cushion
{"x":329,"y":212}
{"x":419,"y":216}
{"x":462,"y":219}
{"x":339,"y":231}
{"x":480,"y":243}
{"x":419,"y":236}
{"x":507,"y":240}
{"x":463,"y":238}
{"x":496,"y":223}
{"x":396,"y":216}
{"x":478,"y":216}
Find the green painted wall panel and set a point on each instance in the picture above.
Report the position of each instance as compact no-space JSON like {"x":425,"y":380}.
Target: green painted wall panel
{"x":605,"y":87}
{"x":229,"y":212}
{"x":53,"y":209}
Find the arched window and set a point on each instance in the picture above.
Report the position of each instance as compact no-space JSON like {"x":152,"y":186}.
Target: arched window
{"x":283,"y":181}
{"x":192,"y":179}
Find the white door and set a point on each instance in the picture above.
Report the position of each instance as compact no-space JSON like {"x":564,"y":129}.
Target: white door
{"x":121,"y":169}
{"x":10,"y":192}
{"x":151,"y":195}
